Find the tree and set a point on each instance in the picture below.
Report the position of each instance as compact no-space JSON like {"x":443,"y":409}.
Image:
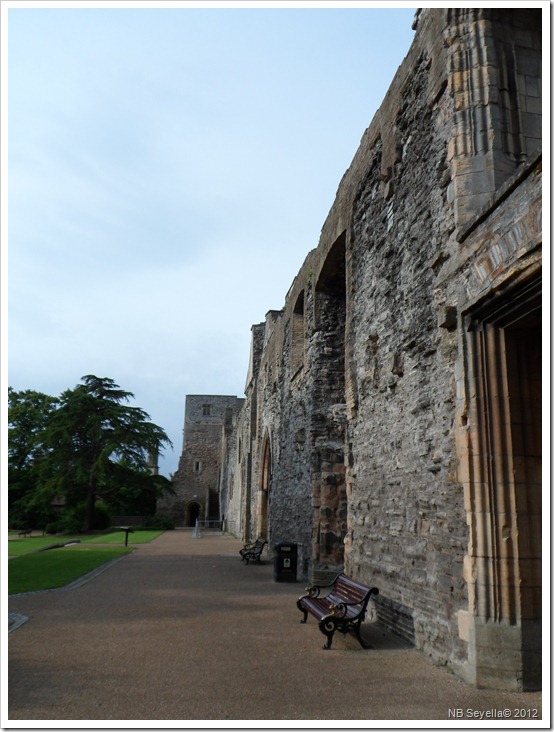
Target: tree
{"x":94,"y":440}
{"x":134,"y":491}
{"x":28,"y":414}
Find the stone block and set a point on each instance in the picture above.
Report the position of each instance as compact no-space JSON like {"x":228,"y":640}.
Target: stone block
{"x":464,"y":625}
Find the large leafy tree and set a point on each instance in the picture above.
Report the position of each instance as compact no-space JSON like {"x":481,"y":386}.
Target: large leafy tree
{"x":96,"y":444}
{"x":28,"y":414}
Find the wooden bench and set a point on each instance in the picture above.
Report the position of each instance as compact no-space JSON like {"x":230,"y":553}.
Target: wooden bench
{"x":342,"y":608}
{"x":25,"y":532}
{"x":252,"y":550}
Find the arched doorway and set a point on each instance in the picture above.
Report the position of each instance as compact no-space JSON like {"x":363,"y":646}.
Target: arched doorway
{"x":193,"y":511}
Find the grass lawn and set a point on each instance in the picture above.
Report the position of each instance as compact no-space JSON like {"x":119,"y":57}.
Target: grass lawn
{"x":16,"y":548}
{"x":139,"y":536}
{"x":57,"y":567}
{"x":30,"y":569}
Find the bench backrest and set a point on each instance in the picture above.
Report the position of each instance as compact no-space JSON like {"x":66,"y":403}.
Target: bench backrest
{"x":346,"y":589}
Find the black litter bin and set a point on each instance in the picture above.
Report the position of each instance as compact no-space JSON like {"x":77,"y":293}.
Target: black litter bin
{"x":286,"y":558}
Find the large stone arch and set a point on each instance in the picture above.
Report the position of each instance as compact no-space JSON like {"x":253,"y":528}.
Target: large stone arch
{"x":264,"y":487}
{"x":329,"y":414}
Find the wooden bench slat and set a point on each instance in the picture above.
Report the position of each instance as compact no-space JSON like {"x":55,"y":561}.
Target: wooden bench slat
{"x":349,"y":596}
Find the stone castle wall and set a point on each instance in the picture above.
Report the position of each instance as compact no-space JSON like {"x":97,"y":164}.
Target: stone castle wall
{"x":391,"y":408}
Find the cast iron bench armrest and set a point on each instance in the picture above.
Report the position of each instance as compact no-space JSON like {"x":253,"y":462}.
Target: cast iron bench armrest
{"x":343,"y":608}
{"x":314,"y":590}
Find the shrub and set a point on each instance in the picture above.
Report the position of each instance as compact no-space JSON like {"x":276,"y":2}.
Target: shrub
{"x":53,"y":527}
{"x":159,"y":521}
{"x":71,"y":523}
{"x":24,"y":515}
{"x":72,"y":519}
{"x":102,"y":519}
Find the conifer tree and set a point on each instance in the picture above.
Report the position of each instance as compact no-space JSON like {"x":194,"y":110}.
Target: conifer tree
{"x":95,"y":442}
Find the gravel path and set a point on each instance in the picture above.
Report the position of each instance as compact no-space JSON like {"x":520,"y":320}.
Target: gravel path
{"x":182,"y":630}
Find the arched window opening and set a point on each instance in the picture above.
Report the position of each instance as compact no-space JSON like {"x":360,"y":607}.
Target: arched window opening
{"x":297,"y":336}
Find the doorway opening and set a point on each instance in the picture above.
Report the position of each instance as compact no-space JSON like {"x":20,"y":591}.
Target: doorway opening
{"x":193,"y":512}
{"x":505,"y":491}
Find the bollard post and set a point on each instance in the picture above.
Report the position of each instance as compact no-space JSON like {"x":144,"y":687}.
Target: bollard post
{"x":196,"y":532}
{"x":128,"y":530}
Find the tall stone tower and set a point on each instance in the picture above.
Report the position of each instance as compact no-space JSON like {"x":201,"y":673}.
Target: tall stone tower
{"x":198,"y":478}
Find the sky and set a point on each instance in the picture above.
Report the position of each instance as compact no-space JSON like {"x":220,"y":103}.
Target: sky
{"x":169,"y":169}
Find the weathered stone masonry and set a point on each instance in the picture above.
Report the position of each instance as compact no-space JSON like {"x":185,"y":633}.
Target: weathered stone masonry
{"x":392,"y":413}
{"x":203,"y":466}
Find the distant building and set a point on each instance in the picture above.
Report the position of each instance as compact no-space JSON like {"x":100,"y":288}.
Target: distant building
{"x":203,"y":463}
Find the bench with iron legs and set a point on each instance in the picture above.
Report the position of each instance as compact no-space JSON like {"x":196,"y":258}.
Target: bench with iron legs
{"x":253,"y":550}
{"x":342,"y":607}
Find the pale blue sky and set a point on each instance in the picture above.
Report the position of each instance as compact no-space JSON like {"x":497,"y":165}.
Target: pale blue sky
{"x":168,"y":171}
